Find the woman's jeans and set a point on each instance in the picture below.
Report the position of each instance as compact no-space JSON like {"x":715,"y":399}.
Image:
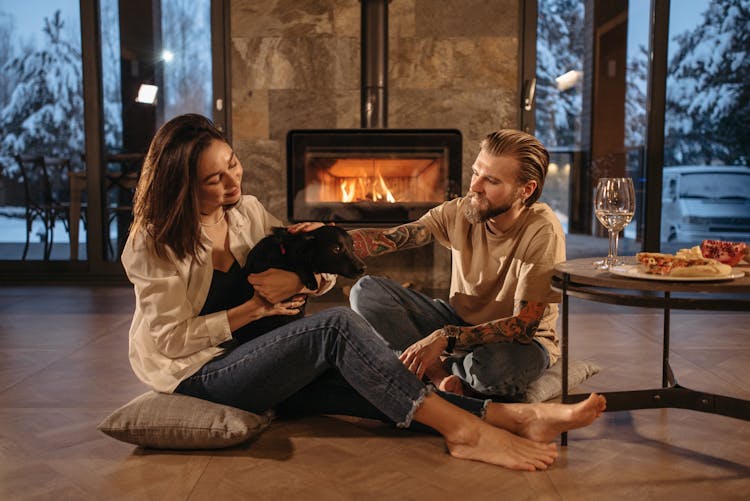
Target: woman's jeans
{"x":403,"y":317}
{"x":331,"y":362}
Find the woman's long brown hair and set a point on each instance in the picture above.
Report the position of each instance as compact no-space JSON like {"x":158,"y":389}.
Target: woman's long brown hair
{"x":166,"y":198}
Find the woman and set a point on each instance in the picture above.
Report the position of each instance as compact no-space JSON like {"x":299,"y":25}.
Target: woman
{"x":191,"y":232}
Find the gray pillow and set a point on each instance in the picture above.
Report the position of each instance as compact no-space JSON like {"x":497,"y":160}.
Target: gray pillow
{"x":550,"y":384}
{"x":174,"y":421}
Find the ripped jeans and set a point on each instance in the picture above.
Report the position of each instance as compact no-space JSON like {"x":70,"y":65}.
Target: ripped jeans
{"x":331,"y":362}
{"x":402,"y":316}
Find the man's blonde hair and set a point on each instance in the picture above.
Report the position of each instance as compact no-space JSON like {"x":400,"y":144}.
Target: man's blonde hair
{"x":527,"y":149}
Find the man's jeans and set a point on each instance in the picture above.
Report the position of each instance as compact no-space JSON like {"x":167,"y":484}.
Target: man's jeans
{"x":331,"y":362}
{"x":403,"y":317}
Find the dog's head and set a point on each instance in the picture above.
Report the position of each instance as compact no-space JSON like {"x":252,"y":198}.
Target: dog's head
{"x":331,"y":250}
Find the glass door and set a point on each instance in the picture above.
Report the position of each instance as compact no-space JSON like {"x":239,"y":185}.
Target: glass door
{"x":149,"y":76}
{"x":41,"y":119}
{"x":591,"y":78}
{"x":158,"y":60}
{"x":706,"y":177}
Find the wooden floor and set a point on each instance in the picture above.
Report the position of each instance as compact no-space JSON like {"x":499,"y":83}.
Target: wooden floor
{"x":63,"y":367}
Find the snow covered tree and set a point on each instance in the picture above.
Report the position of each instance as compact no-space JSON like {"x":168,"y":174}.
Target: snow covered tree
{"x":708,"y":97}
{"x":111,"y":76}
{"x":6,"y":50}
{"x":635,"y":99}
{"x":560,"y":49}
{"x":44,"y":115}
{"x":187,"y":35}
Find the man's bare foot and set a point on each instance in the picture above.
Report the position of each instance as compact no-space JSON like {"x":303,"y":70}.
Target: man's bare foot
{"x":499,"y":447}
{"x":542,"y":422}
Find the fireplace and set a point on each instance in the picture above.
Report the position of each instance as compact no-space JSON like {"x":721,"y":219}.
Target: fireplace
{"x":371,"y":175}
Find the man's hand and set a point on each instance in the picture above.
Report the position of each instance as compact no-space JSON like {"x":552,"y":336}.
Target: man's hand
{"x":305,"y":227}
{"x":425,"y":353}
{"x":274,"y":285}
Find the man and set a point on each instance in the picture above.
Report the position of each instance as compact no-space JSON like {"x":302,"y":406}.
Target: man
{"x":497,"y":333}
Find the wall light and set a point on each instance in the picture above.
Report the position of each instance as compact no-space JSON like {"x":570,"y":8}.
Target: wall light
{"x":167,"y":55}
{"x":568,"y":80}
{"x":146,"y":94}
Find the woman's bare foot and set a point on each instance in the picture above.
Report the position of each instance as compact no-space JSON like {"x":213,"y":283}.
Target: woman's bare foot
{"x":499,"y":447}
{"x":450,"y":384}
{"x":444,"y":381}
{"x":543,"y":422}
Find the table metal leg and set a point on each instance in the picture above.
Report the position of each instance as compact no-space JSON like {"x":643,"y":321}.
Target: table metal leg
{"x":667,"y":377}
{"x":564,"y":348}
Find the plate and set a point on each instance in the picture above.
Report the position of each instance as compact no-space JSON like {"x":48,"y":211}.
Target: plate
{"x":634,"y":271}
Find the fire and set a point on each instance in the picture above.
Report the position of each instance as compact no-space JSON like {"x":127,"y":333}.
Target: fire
{"x":366,"y":188}
{"x":347,"y":190}
{"x":386,"y":191}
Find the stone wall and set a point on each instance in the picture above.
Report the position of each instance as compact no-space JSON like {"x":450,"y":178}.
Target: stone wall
{"x":296,"y":65}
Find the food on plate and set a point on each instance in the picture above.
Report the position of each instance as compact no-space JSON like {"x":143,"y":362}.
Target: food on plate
{"x":691,"y":253}
{"x":730,"y":253}
{"x":657,"y":263}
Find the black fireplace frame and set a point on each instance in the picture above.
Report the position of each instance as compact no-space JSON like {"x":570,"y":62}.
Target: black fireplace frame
{"x":372,"y":141}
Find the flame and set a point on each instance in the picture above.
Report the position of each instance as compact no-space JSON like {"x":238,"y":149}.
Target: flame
{"x":364,"y":187}
{"x":348,"y":188}
{"x":388,"y":194}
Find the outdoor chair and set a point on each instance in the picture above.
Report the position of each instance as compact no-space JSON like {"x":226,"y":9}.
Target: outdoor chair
{"x":45,"y":187}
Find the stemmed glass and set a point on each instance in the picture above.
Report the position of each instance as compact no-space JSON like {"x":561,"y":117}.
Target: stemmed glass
{"x":614,"y":206}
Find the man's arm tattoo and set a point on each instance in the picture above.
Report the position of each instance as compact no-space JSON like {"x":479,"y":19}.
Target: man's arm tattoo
{"x":374,"y":241}
{"x":520,"y":327}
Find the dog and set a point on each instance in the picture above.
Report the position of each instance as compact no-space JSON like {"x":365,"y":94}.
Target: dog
{"x":328,"y":249}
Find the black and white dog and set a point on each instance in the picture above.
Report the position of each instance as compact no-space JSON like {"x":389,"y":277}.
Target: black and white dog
{"x":328,"y":249}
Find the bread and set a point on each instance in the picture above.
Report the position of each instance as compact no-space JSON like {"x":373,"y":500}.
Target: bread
{"x":710,"y":269}
{"x":657,"y":263}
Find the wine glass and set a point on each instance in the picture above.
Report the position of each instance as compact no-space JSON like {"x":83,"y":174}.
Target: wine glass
{"x":614,"y":206}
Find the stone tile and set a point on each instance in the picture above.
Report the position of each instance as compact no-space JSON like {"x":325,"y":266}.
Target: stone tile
{"x":346,"y":18}
{"x":346,"y":64}
{"x":300,"y":109}
{"x":287,"y":18}
{"x":348,"y":109}
{"x":475,"y":113}
{"x":250,"y":114}
{"x":285,"y":63}
{"x":402,"y":18}
{"x":466,"y":18}
{"x":459,"y":63}
{"x":265,"y":172}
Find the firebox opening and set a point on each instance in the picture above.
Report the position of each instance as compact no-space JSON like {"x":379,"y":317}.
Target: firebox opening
{"x":373,"y":176}
{"x":374,"y":179}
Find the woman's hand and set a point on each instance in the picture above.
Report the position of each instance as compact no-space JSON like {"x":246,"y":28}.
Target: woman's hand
{"x":257,"y":307}
{"x":275,"y":285}
{"x":425,"y":353}
{"x":289,"y":306}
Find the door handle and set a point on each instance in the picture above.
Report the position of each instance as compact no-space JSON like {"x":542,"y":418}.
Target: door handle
{"x":529,"y":88}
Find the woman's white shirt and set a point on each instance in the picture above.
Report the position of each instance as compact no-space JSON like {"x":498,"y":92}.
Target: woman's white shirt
{"x":168,"y":340}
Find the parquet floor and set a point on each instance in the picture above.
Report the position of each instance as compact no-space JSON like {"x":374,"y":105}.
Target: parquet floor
{"x":63,"y":367}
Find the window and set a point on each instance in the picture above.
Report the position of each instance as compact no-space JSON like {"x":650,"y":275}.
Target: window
{"x":43,"y":114}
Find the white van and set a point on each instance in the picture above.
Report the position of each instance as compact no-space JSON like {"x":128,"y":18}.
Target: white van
{"x":705,"y":202}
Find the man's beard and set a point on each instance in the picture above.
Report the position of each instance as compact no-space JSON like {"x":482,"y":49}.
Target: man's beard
{"x":484,"y":212}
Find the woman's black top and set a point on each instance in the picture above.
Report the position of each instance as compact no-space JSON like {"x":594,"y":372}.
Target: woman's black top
{"x":229,"y":289}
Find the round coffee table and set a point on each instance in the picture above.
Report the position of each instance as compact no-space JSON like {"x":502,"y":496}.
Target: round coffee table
{"x":578,"y":278}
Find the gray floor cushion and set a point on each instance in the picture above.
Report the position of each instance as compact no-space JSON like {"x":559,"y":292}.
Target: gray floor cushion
{"x":173,"y":421}
{"x":550,"y":384}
